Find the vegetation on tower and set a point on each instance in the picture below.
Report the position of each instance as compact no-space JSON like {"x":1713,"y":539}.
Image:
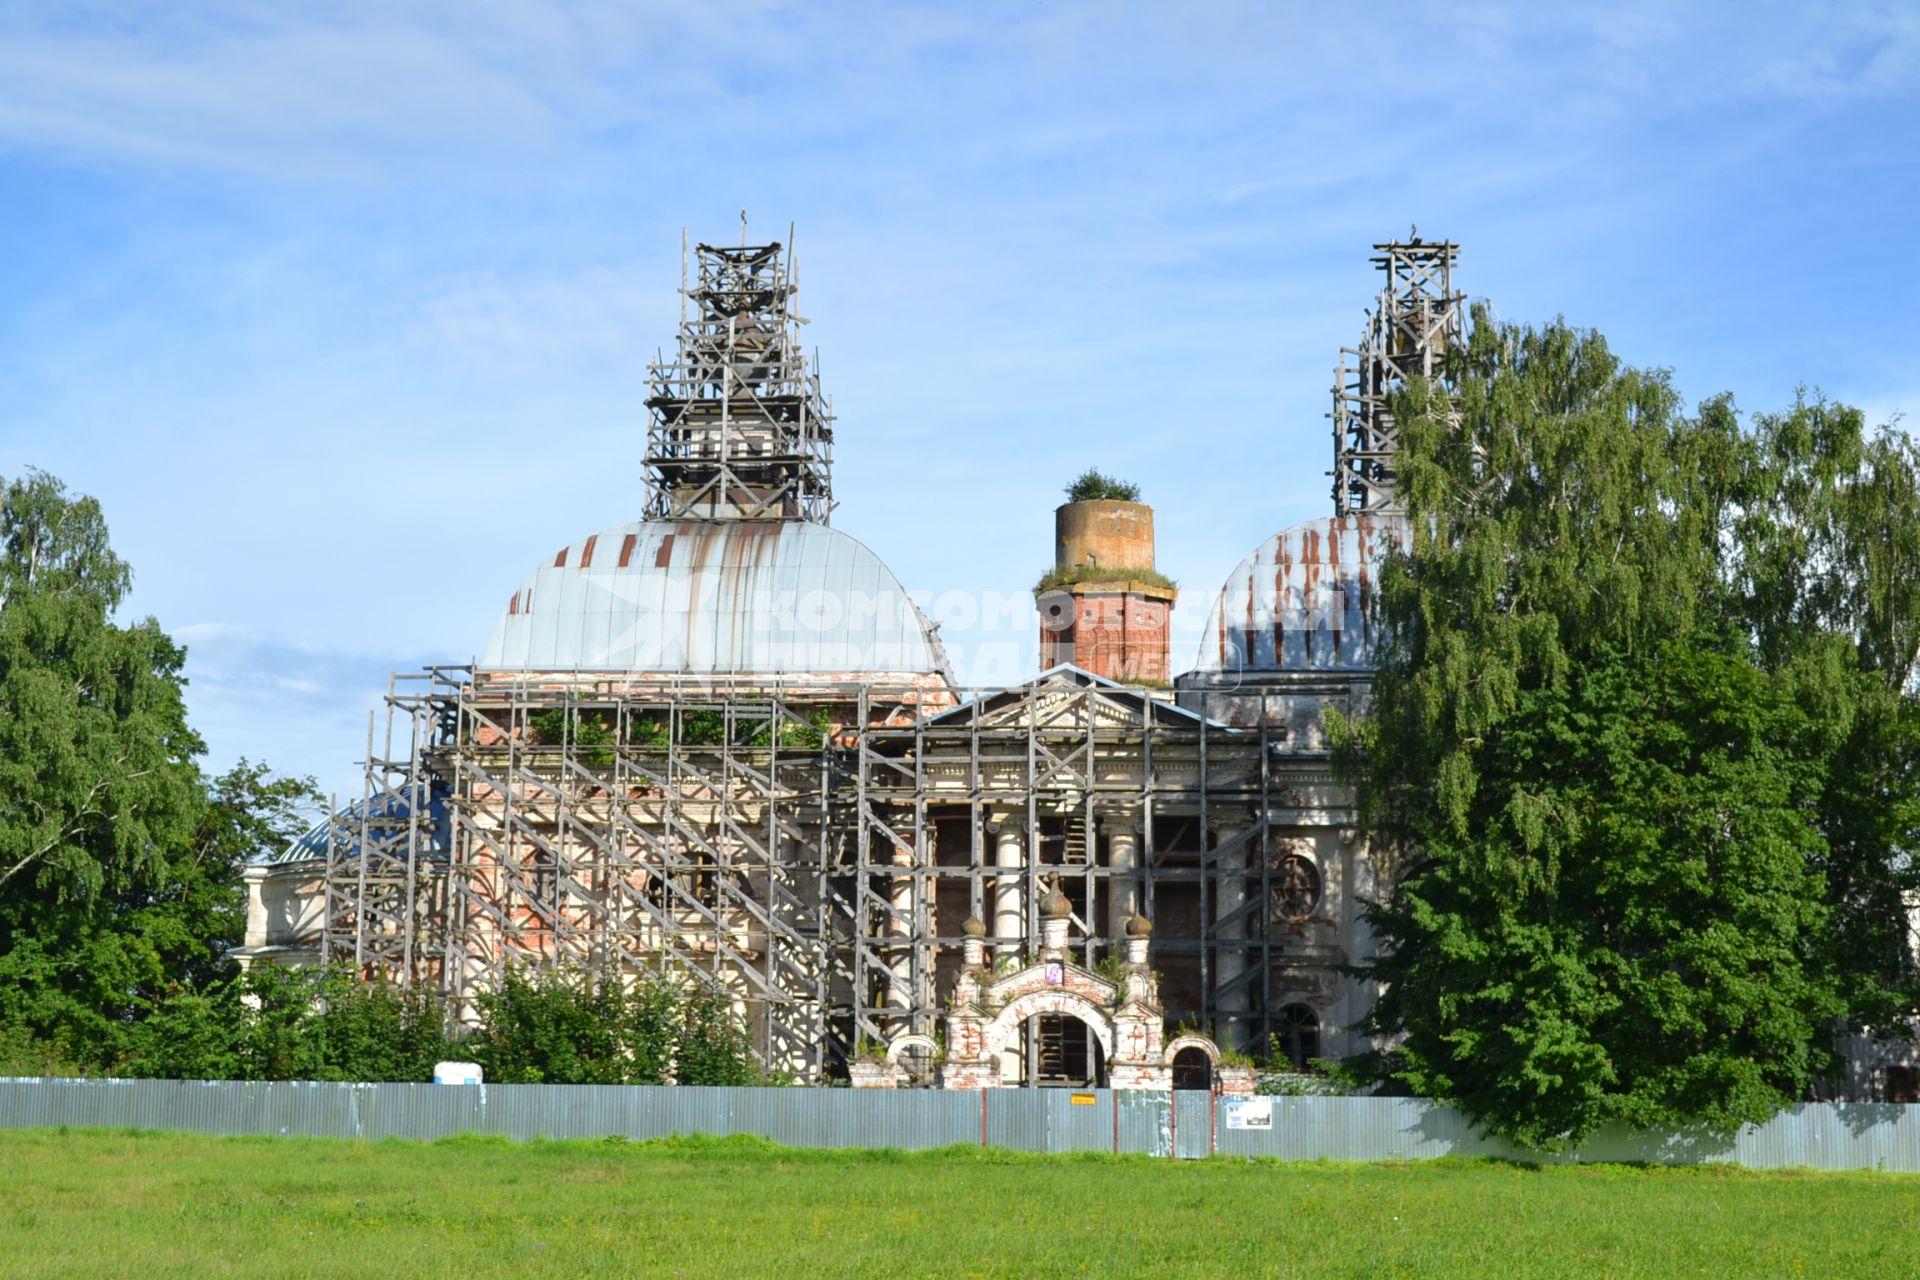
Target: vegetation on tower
{"x":1092,"y":485}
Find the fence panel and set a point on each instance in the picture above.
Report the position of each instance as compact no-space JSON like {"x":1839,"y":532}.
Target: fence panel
{"x":1184,"y":1124}
{"x":1017,"y":1118}
{"x":1079,"y":1119}
{"x":1193,"y":1122}
{"x":1146,"y":1122}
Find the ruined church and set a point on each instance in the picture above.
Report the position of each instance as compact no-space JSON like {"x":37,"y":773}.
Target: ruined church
{"x":720,"y":737}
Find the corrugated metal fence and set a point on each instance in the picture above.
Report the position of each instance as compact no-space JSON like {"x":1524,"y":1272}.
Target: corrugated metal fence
{"x":1817,"y":1135}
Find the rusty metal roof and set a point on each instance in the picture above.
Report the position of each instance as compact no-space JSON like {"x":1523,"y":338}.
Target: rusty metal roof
{"x":715,"y":597}
{"x":1303,"y":600}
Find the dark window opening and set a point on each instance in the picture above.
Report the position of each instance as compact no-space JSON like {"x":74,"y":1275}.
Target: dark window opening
{"x":1903,"y":1084}
{"x":1192,"y":1069}
{"x":1298,"y":1039}
{"x":1063,"y":1052}
{"x":917,"y":1061}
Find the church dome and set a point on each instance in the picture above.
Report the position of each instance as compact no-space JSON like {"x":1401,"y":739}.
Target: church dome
{"x":1303,"y":601}
{"x":702,"y":597}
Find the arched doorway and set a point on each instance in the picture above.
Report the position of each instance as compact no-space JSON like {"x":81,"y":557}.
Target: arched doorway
{"x":1060,"y":1051}
{"x":1050,"y":1037}
{"x":1192,"y":1069}
{"x":1298,"y":1039}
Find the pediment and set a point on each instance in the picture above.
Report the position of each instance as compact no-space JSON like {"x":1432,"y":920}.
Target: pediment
{"x":1060,"y":701}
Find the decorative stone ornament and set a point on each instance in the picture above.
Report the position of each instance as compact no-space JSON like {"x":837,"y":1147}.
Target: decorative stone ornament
{"x":1126,"y":1018}
{"x":1056,"y":918}
{"x":973,"y":951}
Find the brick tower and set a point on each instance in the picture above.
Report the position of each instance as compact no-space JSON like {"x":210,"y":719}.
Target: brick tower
{"x":1104,"y":607}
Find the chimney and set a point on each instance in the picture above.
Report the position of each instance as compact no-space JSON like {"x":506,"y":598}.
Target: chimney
{"x":1104,"y":608}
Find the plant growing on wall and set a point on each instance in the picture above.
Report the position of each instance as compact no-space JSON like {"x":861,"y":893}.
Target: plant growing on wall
{"x":1102,"y":573}
{"x":591,"y":731}
{"x":1092,"y":485}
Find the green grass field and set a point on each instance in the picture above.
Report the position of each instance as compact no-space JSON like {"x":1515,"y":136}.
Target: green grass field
{"x":157,"y":1205}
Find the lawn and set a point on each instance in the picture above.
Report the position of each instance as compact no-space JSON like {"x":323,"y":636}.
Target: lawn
{"x":157,"y":1205}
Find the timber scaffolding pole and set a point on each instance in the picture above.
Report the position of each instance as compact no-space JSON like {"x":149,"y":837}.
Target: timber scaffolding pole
{"x":1415,"y":320}
{"x":1127,"y":803}
{"x":740,"y":427}
{"x":637,"y":825}
{"x":386,"y":870}
{"x":810,"y":851}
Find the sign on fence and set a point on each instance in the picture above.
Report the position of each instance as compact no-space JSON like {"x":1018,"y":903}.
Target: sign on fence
{"x":1249,"y":1113}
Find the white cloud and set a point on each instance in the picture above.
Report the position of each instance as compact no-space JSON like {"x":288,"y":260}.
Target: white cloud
{"x":354,"y":413}
{"x":1850,"y":51}
{"x":491,"y":321}
{"x":335,"y":90}
{"x":301,"y":707}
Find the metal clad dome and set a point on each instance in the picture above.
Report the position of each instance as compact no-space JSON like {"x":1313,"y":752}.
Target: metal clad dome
{"x":388,"y":812}
{"x":1303,"y":601}
{"x":715,"y":597}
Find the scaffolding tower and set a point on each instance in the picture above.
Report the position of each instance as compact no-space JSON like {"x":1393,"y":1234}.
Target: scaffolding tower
{"x":385,"y":879}
{"x":811,"y":852}
{"x":1416,"y":318}
{"x":739,"y":428}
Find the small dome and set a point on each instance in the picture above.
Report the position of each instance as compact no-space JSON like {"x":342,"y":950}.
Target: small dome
{"x":710,"y":597}
{"x":1139,"y":927}
{"x":1303,"y":600}
{"x":340,"y":833}
{"x":974,"y":927}
{"x":1056,"y":906}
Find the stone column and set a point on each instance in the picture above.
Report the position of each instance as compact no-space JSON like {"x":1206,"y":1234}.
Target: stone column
{"x":1123,"y":885}
{"x":900,"y":926}
{"x":1009,"y":890}
{"x":1230,"y":956}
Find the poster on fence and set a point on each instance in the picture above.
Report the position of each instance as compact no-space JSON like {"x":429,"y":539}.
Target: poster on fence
{"x":1250,"y":1113}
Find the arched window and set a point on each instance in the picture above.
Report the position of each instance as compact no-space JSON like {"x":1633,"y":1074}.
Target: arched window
{"x":1298,"y":1039}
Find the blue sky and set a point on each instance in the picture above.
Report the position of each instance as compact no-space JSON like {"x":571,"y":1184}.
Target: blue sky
{"x":343,"y":311}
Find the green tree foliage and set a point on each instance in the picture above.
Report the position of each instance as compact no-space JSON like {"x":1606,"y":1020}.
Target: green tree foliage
{"x":119,"y":860}
{"x":1640,"y":766}
{"x":97,"y":779}
{"x":576,"y":1027}
{"x":1092,"y":485}
{"x":538,"y":1027}
{"x":1828,"y":572}
{"x":272,"y":1023}
{"x":712,"y":1047}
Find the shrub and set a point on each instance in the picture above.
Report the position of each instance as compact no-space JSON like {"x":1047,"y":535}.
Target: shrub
{"x":272,"y":1023}
{"x":571,"y":1026}
{"x":1092,"y":486}
{"x":1103,"y":573}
